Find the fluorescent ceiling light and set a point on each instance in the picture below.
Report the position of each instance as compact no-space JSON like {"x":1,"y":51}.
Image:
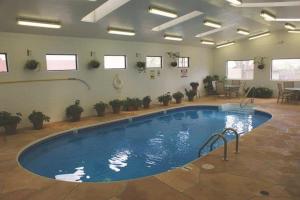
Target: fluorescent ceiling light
{"x":234,"y":2}
{"x":289,"y":26}
{"x":243,"y":31}
{"x":225,"y":45}
{"x":117,"y":31}
{"x":287,"y":19}
{"x":267,"y":15}
{"x":162,"y":12}
{"x":208,"y":42}
{"x":294,"y":31}
{"x":259,"y":35}
{"x":172,"y":37}
{"x":177,"y":21}
{"x":103,"y":10}
{"x":214,"y":31}
{"x":212,"y":24}
{"x":38,"y":23}
{"x":269,"y":4}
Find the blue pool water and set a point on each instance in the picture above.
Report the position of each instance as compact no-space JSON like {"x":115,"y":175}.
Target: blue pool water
{"x":134,"y":148}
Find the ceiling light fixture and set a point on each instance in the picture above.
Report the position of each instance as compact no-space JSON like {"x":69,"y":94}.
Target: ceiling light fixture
{"x":267,"y":16}
{"x":294,"y":31}
{"x":172,"y":37}
{"x":117,"y":31}
{"x":234,"y":2}
{"x":269,"y":4}
{"x":103,"y":10}
{"x":177,"y":21}
{"x":207,"y":42}
{"x":162,"y":12}
{"x":38,"y":23}
{"x":287,"y":19}
{"x":259,"y":35}
{"x":212,"y":24}
{"x":289,"y":26}
{"x":225,"y":45}
{"x":243,"y":31}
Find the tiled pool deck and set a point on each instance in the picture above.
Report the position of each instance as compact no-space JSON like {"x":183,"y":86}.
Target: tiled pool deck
{"x":269,"y":161}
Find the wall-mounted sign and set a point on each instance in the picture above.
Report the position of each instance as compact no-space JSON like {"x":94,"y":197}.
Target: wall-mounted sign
{"x":184,"y":73}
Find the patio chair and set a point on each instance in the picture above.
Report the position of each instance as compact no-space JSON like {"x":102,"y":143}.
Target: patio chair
{"x":220,"y":89}
{"x":289,"y":84}
{"x":283,"y":95}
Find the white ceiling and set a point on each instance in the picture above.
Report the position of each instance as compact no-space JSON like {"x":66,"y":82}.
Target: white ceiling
{"x":134,"y":15}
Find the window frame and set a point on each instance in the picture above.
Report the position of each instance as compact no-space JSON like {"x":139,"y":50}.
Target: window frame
{"x":188,"y":62}
{"x":63,"y":54}
{"x":161,"y":62}
{"x":125,"y":56}
{"x":241,"y":60}
{"x":6,"y":62}
{"x":271,"y":71}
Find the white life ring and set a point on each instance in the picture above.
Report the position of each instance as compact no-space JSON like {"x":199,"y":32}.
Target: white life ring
{"x":117,"y":82}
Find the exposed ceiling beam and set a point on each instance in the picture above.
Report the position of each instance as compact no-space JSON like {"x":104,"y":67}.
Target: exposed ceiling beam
{"x":215,"y":31}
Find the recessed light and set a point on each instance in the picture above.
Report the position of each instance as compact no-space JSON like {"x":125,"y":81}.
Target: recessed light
{"x":259,"y":35}
{"x":208,"y":42}
{"x":117,"y":31}
{"x":103,"y":10}
{"x":267,"y":15}
{"x":177,"y":21}
{"x":212,"y":24}
{"x":234,"y":2}
{"x":172,"y":37}
{"x":162,"y":12}
{"x":289,"y":26}
{"x":38,"y":23}
{"x":294,"y":31}
{"x":243,"y":31}
{"x":225,"y":45}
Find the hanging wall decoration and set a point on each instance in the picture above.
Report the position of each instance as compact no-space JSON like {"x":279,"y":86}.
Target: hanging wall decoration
{"x":140,"y":64}
{"x":31,"y":64}
{"x":174,"y":58}
{"x":94,"y":63}
{"x":260,"y":62}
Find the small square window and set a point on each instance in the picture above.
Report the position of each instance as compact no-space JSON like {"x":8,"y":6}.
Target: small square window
{"x":115,"y":62}
{"x":154,"y":62}
{"x":3,"y":62}
{"x":61,"y":62}
{"x":183,"y":62}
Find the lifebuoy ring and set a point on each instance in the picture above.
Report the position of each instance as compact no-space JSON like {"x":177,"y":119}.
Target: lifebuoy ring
{"x":117,"y":82}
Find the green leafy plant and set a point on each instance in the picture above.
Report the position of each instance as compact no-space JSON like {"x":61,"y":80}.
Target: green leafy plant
{"x":178,"y":97}
{"x":9,"y":121}
{"x":131,"y":104}
{"x":208,"y":85}
{"x":259,"y":62}
{"x":194,"y":85}
{"x":165,"y":98}
{"x":31,"y":64}
{"x":93,"y":64}
{"x":74,"y":111}
{"x":100,"y":108}
{"x":141,"y":66}
{"x":37,"y":119}
{"x":260,"y":92}
{"x":116,"y":105}
{"x":146,"y":101}
{"x":190,"y":94}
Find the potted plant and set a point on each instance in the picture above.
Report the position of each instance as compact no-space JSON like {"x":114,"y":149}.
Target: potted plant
{"x":190,"y":94}
{"x":116,"y":105}
{"x":259,"y":62}
{"x":146,"y":101}
{"x":208,"y":84}
{"x":178,"y":97}
{"x":100,"y":108}
{"x":165,"y":99}
{"x":9,"y":121}
{"x":74,"y":111}
{"x":137,"y":103}
{"x":194,"y":86}
{"x":31,"y":64}
{"x":37,"y":119}
{"x":94,"y":64}
{"x":141,"y":66}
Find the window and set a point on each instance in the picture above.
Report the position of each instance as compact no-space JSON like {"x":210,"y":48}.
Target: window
{"x":114,"y":62}
{"x":240,"y":70}
{"x":3,"y":62}
{"x":183,"y":62}
{"x":154,"y":62}
{"x":61,"y":62}
{"x":286,"y":69}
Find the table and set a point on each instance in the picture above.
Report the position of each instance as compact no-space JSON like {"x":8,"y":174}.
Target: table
{"x":295,"y":90}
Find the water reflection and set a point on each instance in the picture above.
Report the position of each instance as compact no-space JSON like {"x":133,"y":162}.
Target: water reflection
{"x":242,"y":124}
{"x":192,"y":114}
{"x":74,"y":177}
{"x":119,"y":160}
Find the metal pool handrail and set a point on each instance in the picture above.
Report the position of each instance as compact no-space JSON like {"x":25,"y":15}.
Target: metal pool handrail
{"x":237,"y":138}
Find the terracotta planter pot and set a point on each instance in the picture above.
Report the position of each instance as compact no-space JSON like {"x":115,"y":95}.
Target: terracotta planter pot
{"x":146,"y":106}
{"x":166,"y":103}
{"x":100,"y":112}
{"x":178,"y":101}
{"x":75,"y":118}
{"x":195,"y":89}
{"x":191,"y":99}
{"x":11,"y":128}
{"x":38,"y":125}
{"x":116,"y":109}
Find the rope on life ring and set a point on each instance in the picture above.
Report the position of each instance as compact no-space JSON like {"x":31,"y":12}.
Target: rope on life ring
{"x":117,"y":82}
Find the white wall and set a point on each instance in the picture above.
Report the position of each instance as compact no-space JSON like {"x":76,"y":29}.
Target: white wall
{"x":53,"y":97}
{"x":277,"y":45}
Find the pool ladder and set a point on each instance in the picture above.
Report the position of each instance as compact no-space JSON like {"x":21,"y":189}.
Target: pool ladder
{"x":214,"y":138}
